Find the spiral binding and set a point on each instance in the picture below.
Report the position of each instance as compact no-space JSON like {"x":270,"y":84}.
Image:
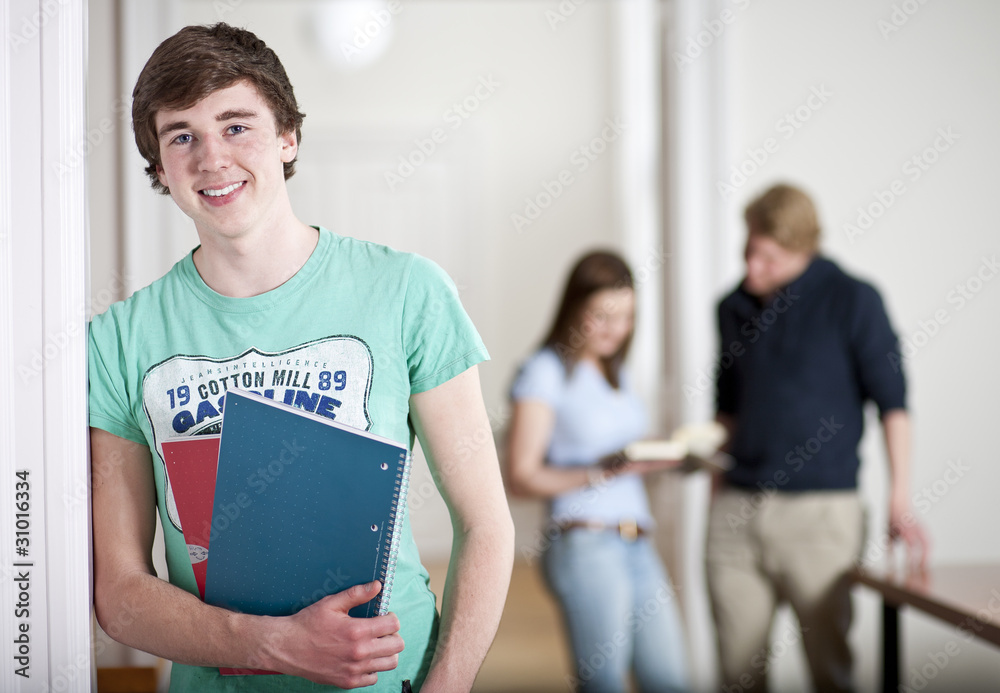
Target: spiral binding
{"x":387,"y":571}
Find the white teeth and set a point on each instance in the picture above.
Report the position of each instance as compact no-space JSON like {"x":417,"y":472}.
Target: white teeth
{"x":223,"y":191}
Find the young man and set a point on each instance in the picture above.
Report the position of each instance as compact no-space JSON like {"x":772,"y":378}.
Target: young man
{"x":809,"y":346}
{"x":264,"y":294}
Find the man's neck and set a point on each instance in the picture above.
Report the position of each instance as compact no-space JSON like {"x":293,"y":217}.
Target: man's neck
{"x":254,"y":264}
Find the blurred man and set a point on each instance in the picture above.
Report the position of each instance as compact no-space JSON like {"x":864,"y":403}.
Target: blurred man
{"x":807,"y":346}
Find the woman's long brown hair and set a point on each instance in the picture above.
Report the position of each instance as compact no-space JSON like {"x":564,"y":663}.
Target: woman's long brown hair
{"x":594,"y":272}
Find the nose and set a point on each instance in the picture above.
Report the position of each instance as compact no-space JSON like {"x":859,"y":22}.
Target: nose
{"x":213,"y":154}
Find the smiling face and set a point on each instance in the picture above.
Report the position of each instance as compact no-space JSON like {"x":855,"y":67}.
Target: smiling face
{"x":222,"y":160}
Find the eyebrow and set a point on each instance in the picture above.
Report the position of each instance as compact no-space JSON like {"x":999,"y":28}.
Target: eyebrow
{"x":231,"y":114}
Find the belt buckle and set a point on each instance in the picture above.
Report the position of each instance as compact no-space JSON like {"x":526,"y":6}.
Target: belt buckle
{"x":629,"y":530}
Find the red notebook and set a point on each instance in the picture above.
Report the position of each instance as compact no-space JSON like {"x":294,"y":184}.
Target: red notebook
{"x":191,"y":464}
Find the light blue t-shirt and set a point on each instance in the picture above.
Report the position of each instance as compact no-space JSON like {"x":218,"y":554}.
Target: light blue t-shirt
{"x":593,"y":419}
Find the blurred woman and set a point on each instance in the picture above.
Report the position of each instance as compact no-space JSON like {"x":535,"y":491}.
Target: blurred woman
{"x":574,"y":411}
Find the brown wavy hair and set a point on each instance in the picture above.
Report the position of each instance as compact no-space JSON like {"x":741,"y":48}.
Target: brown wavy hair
{"x":200,"y":60}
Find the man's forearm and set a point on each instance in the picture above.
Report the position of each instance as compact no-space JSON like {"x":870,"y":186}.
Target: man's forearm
{"x":149,"y":614}
{"x":896,"y":427}
{"x":322,"y":642}
{"x":903,"y":524}
{"x":473,"y":601}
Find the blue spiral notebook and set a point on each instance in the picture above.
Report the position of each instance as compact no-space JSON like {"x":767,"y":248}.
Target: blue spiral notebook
{"x":304,"y":507}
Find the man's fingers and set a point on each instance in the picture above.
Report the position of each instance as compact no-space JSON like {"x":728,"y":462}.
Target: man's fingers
{"x":361,"y":594}
{"x":920,"y":546}
{"x":376,"y":627}
{"x":385,"y":631}
{"x":385,"y":663}
{"x":916,"y":546}
{"x":357,"y":595}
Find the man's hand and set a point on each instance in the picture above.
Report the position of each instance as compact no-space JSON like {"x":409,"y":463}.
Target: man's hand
{"x":324,"y":644}
{"x":903,"y":523}
{"x":904,"y":527}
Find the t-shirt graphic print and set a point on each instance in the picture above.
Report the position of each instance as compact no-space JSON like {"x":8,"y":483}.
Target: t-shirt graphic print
{"x":185,"y":395}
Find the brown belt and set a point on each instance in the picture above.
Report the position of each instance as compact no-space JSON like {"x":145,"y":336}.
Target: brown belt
{"x":629,"y":530}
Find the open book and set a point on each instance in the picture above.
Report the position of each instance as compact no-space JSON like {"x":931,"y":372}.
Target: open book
{"x":695,"y":446}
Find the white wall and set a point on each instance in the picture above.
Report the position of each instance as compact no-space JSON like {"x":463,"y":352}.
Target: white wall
{"x":888,"y":78}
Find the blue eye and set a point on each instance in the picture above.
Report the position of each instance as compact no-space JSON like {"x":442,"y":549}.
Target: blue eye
{"x":237,"y":129}
{"x":182,"y":139}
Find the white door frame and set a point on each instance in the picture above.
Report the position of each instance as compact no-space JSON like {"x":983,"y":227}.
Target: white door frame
{"x":45,"y":592}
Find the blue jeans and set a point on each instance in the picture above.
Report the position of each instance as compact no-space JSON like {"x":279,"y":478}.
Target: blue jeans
{"x":620,"y":612}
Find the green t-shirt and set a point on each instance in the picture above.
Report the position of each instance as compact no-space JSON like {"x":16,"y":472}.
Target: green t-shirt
{"x":364,"y":324}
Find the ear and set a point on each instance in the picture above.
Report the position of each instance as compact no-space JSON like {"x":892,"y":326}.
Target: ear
{"x":162,"y":176}
{"x":289,"y":145}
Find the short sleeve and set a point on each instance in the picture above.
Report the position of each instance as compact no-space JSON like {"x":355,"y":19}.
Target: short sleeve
{"x":108,"y":399}
{"x":439,"y":338}
{"x":542,"y":377}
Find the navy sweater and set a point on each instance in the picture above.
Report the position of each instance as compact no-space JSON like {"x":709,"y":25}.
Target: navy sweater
{"x":796,"y":373}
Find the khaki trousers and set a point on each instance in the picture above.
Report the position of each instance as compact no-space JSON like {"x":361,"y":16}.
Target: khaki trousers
{"x":768,"y":547}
